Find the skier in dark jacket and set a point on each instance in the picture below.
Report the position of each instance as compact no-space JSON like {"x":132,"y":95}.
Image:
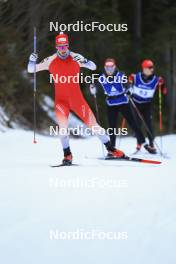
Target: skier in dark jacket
{"x":143,"y":87}
{"x":113,"y":83}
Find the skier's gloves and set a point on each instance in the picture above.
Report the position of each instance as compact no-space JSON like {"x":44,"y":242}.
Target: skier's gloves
{"x":33,"y":57}
{"x":93,"y":89}
{"x":161,"y":83}
{"x":79,"y":58}
{"x":131,"y":78}
{"x":129,"y":91}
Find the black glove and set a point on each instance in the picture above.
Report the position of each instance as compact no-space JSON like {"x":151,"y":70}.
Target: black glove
{"x":129,"y":91}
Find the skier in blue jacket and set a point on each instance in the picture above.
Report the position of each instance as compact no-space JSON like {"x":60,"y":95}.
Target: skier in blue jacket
{"x":113,"y":83}
{"x":143,"y":87}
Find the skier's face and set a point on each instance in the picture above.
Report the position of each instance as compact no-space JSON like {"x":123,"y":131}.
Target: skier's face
{"x":110,"y":69}
{"x":148,"y":71}
{"x":62,"y":49}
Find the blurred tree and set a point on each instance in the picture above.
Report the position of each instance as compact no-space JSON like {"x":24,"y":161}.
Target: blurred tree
{"x":151,"y":33}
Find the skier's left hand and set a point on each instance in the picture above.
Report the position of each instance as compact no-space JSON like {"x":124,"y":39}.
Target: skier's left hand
{"x":131,"y":78}
{"x":129,"y":91}
{"x":79,"y":58}
{"x":161,"y":83}
{"x":93,"y":89}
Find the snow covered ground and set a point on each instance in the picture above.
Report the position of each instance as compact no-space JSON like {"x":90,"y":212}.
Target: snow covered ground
{"x":37,"y":201}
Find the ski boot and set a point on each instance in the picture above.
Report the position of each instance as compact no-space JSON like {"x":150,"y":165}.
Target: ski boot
{"x":113,"y":153}
{"x":150,"y":148}
{"x":138,"y":148}
{"x":67,"y":161}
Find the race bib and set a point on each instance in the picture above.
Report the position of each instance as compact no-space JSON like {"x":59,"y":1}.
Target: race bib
{"x":144,"y":93}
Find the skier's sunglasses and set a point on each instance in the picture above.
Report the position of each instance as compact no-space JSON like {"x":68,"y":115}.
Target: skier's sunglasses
{"x":63,"y":47}
{"x":110,"y":68}
{"x":150,"y":68}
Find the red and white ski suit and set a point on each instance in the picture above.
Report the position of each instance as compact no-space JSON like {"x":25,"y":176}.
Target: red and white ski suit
{"x":68,"y":95}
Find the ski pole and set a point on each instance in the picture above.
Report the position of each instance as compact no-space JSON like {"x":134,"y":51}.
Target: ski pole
{"x":96,"y":108}
{"x":123,"y":123}
{"x":144,"y":123}
{"x":122,"y":126}
{"x":98,"y":118}
{"x":35,"y":88}
{"x":160,"y":116}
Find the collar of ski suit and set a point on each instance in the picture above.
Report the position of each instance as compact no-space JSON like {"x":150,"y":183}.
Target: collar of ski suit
{"x":63,"y":57}
{"x":146,"y":78}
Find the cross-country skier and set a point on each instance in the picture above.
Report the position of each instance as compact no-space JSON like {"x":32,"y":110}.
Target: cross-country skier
{"x":68,"y":96}
{"x":144,"y":84}
{"x":114,"y":85}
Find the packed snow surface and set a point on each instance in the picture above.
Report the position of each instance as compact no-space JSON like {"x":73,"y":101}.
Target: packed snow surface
{"x":37,"y":201}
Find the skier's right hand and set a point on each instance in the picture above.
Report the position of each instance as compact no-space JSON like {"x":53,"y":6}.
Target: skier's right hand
{"x":33,"y":57}
{"x":93,"y":89}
